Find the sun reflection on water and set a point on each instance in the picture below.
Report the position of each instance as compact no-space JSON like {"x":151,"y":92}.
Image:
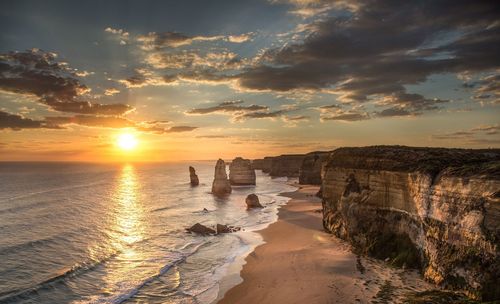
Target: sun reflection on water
{"x":128,"y":230}
{"x":129,"y":211}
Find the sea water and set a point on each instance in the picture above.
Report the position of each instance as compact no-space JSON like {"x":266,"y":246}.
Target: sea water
{"x":93,"y":233}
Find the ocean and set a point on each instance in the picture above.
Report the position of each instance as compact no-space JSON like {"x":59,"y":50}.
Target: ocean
{"x":94,"y":233}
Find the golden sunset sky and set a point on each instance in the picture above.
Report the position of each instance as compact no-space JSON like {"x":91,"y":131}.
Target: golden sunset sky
{"x":202,"y":80}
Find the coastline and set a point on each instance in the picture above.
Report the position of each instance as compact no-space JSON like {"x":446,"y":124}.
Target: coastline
{"x":298,"y":262}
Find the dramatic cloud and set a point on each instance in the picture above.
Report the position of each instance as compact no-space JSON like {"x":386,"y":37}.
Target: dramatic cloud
{"x":17,"y":122}
{"x":144,"y":77}
{"x":228,"y":107}
{"x":342,"y":115}
{"x":219,"y":61}
{"x":155,"y":41}
{"x":260,"y":115}
{"x":116,"y":123}
{"x":122,"y":35}
{"x":178,"y":129}
{"x":296,"y":118}
{"x":487,"y":88}
{"x":488,"y":130}
{"x":374,"y":49}
{"x":38,"y":73}
{"x":478,"y":135}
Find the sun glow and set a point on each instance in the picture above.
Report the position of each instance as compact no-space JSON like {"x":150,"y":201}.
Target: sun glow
{"x":127,"y":141}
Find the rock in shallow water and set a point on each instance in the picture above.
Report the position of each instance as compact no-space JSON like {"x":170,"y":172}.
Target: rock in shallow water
{"x":252,"y":201}
{"x":221,"y":185}
{"x":193,"y":177}
{"x":200,"y":229}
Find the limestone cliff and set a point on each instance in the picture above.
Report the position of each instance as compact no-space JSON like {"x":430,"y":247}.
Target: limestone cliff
{"x":221,"y":185}
{"x":286,"y":165}
{"x":310,"y":170}
{"x":241,"y":172}
{"x":437,"y":209}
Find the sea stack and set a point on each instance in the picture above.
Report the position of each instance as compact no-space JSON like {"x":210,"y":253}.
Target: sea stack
{"x":252,"y":201}
{"x":221,"y":185}
{"x":241,"y":172}
{"x":193,"y":177}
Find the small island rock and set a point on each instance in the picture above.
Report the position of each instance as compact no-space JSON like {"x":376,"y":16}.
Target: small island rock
{"x":193,"y":177}
{"x":200,"y":229}
{"x":252,"y":201}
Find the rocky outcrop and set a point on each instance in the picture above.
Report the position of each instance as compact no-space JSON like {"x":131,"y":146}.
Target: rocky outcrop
{"x":221,"y":185}
{"x":252,"y":201}
{"x":226,"y":229}
{"x":286,"y":165}
{"x":310,"y":170}
{"x":204,"y":230}
{"x":200,"y":229}
{"x":241,"y":172}
{"x":437,"y":209}
{"x":193,"y":177}
{"x":263,"y":164}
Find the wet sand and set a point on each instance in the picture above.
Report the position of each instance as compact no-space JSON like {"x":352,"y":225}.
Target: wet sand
{"x":300,"y":263}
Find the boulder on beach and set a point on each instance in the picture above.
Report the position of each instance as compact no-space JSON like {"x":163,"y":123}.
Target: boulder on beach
{"x":193,"y":177}
{"x":252,"y":201}
{"x":241,"y":172}
{"x":200,"y":229}
{"x":226,"y":229}
{"x":221,"y":185}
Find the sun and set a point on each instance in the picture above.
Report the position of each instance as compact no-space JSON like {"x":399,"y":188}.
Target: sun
{"x":126,"y":141}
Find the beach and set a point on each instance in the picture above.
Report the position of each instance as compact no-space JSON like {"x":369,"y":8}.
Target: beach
{"x":301,"y":263}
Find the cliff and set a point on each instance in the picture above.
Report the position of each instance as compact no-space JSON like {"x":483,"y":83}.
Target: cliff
{"x":286,"y":165}
{"x":221,"y":185}
{"x":263,"y":164}
{"x":310,"y":170}
{"x":436,"y":209}
{"x":241,"y":172}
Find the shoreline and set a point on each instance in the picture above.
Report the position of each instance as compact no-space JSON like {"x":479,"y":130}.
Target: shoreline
{"x":298,"y":262}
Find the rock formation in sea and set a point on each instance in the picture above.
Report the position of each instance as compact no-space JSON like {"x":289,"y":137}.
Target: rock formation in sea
{"x":432,"y":208}
{"x":252,"y":201}
{"x":310,"y":170}
{"x":241,"y":172}
{"x":200,"y":229}
{"x":193,"y":177}
{"x":221,"y":185}
{"x":286,"y":165}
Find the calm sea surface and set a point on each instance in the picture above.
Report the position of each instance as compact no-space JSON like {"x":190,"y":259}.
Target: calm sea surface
{"x":87,"y":233}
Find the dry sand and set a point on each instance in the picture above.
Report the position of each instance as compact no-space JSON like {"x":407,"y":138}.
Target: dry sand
{"x":300,"y":263}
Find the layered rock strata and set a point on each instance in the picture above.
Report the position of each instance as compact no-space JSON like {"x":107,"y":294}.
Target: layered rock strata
{"x":286,"y":165}
{"x":221,"y":185}
{"x":241,"y":172}
{"x":437,"y":209}
{"x":310,"y":170}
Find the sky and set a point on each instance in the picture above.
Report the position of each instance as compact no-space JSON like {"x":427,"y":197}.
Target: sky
{"x":207,"y":79}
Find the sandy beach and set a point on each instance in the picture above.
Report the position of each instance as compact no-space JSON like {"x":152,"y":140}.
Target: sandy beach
{"x":300,"y":263}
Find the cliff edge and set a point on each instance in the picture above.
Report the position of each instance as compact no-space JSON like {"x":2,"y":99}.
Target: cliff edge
{"x":432,"y":208}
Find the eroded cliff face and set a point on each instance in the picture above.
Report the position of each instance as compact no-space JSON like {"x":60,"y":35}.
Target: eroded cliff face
{"x":437,"y":209}
{"x":286,"y":165}
{"x":310,"y":170}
